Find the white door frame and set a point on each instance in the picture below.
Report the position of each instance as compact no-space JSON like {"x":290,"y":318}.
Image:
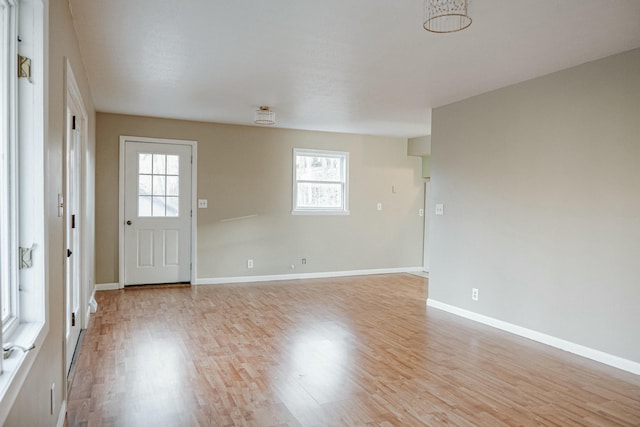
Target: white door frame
{"x":74,"y":98}
{"x":427,"y":215}
{"x":194,"y":193}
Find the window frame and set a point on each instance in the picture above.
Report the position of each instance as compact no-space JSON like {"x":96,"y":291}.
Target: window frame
{"x":344,"y":158}
{"x":8,"y":172}
{"x":22,"y":196}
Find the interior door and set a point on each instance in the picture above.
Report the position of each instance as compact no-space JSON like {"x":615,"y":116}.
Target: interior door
{"x":72,"y":240}
{"x":157,"y":213}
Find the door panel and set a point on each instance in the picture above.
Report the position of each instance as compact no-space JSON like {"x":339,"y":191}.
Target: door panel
{"x":72,"y":241}
{"x":157,"y":208}
{"x":171,"y":245}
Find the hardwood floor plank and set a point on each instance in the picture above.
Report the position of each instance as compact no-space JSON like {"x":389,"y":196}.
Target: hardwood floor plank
{"x":357,"y":351}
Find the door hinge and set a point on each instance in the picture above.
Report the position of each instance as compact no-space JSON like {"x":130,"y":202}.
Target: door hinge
{"x":73,"y":319}
{"x":73,"y":221}
{"x":69,"y":253}
{"x":73,"y":123}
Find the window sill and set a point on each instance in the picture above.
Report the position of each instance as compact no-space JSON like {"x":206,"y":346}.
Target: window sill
{"x":319,"y":212}
{"x":16,"y":367}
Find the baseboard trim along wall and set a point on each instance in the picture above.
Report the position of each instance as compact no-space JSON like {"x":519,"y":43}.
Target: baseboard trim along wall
{"x":107,"y":286}
{"x":580,"y":350}
{"x":62,"y":414}
{"x":270,"y":278}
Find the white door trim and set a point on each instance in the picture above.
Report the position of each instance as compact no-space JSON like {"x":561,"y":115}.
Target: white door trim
{"x":73,"y":98}
{"x":194,"y":196}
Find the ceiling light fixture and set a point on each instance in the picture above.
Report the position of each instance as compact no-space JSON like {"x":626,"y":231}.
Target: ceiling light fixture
{"x":446,"y":16}
{"x":264,"y":116}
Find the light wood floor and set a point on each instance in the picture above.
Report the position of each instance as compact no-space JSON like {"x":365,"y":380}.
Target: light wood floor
{"x":341,"y":352}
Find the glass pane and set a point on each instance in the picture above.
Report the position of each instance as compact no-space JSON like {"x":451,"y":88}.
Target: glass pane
{"x":313,"y":195}
{"x":159,"y":188}
{"x":159,"y":163}
{"x":144,"y":185}
{"x":158,"y":206}
{"x":144,"y":206}
{"x":144,"y":163}
{"x":315,"y":168}
{"x":6,"y":298}
{"x":172,"y":206}
{"x":173,"y":186}
{"x":173,"y":165}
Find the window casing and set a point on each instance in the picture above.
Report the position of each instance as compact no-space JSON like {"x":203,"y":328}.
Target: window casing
{"x":22,"y":206}
{"x":320,"y":182}
{"x":8,"y":155}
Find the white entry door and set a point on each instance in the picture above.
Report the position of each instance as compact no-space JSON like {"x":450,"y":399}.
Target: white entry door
{"x":157,"y":213}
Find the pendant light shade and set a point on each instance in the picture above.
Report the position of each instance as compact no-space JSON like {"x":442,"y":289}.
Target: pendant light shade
{"x":264,"y":116}
{"x":446,"y":16}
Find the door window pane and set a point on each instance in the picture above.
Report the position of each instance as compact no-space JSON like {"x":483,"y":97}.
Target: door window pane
{"x":159,"y":164}
{"x":144,"y":206}
{"x":173,"y":165}
{"x":144,"y":185}
{"x":159,"y":188}
{"x":158,"y":185}
{"x":144,"y":163}
{"x":173,"y":188}
{"x":158,"y":208}
{"x":172,"y":206}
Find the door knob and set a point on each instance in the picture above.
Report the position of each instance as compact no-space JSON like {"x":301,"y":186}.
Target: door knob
{"x":129,"y":222}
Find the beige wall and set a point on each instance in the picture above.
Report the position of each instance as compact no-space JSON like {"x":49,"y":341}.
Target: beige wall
{"x":247,"y":170}
{"x":540,"y":184}
{"x":31,"y":407}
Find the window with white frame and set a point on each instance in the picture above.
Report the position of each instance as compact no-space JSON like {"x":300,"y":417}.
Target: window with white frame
{"x":8,"y":147}
{"x":320,"y":182}
{"x":22,"y":239}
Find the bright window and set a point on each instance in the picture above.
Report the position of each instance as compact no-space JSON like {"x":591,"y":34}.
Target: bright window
{"x":158,"y":185}
{"x":320,"y":182}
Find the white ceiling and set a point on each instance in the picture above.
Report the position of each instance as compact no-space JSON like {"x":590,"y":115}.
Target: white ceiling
{"x":356,"y":66}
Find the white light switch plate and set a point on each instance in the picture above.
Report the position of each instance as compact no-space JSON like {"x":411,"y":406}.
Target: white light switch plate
{"x":439,"y":209}
{"x":202,"y":203}
{"x":379,"y":206}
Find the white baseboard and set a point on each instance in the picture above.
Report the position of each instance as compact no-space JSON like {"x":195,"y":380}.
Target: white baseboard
{"x":294,"y":276}
{"x":62,"y":415}
{"x":92,"y":307}
{"x":580,"y":350}
{"x":107,"y":286}
{"x":93,"y":304}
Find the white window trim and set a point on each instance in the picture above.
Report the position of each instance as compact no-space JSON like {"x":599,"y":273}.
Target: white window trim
{"x":320,"y":211}
{"x":31,"y":325}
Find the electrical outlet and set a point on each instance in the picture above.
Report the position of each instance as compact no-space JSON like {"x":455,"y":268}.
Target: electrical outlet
{"x":249,"y":263}
{"x":420,"y":212}
{"x":474,"y":294}
{"x":439,"y":209}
